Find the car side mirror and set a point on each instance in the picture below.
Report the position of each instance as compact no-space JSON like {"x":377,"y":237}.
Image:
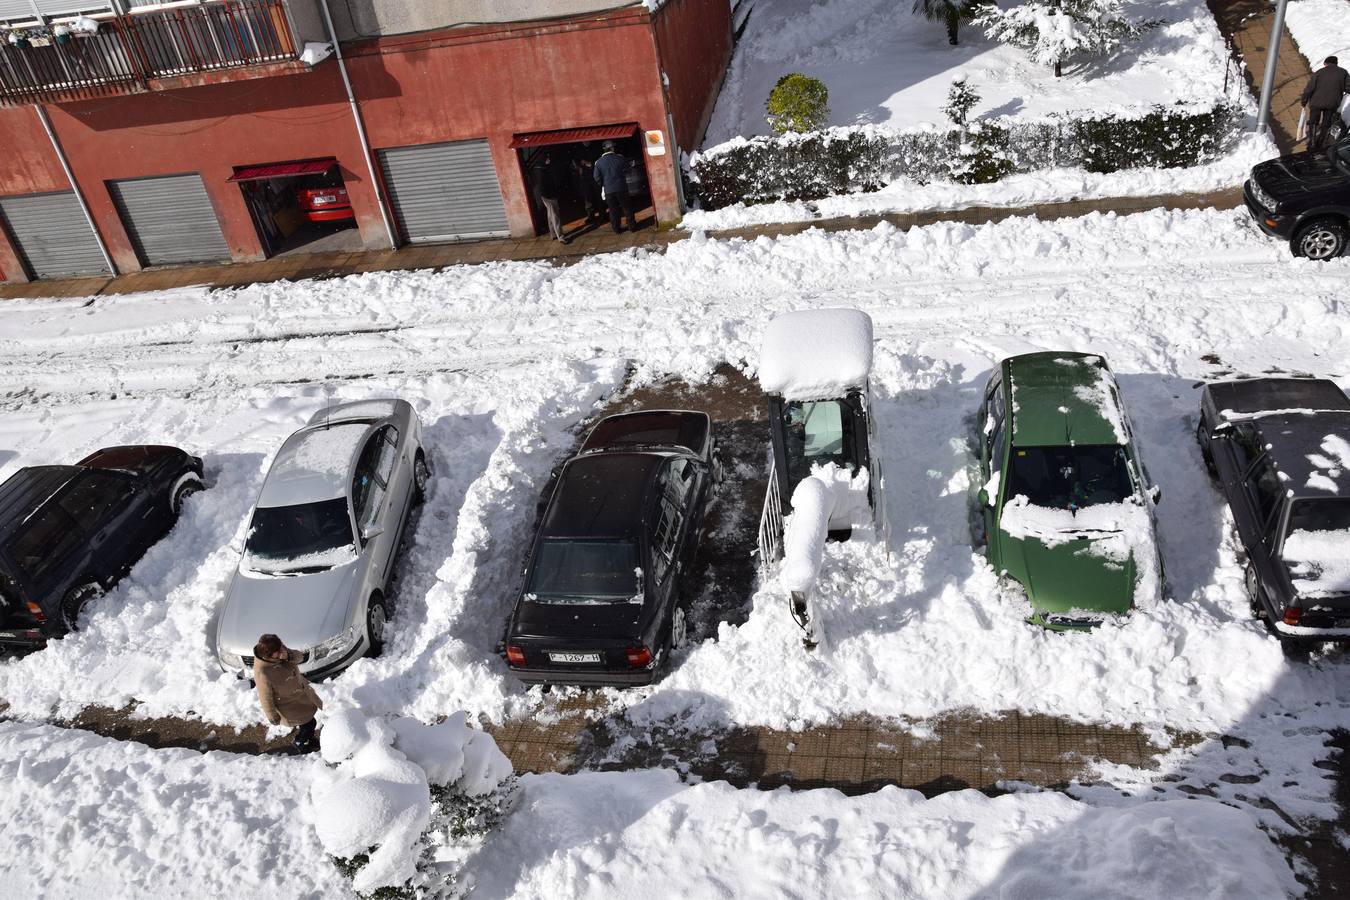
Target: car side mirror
{"x":371,"y":532}
{"x":1155,"y":494}
{"x":983,"y":497}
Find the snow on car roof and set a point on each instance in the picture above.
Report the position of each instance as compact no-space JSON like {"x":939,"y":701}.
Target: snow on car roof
{"x":313,"y":465}
{"x":357,"y":409}
{"x":816,"y":354}
{"x":1311,"y":451}
{"x":1062,"y":398}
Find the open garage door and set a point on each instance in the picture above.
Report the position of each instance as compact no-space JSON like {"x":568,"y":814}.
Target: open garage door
{"x":170,"y":219}
{"x":445,"y":192}
{"x":52,"y":235}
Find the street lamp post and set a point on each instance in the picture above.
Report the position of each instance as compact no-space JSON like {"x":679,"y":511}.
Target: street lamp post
{"x":1272,"y":59}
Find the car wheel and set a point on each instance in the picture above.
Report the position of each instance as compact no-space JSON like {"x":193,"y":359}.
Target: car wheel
{"x":1258,"y":608}
{"x":75,"y":600}
{"x":1205,"y":452}
{"x":187,"y":485}
{"x":679,"y":628}
{"x":1320,"y":240}
{"x":421,"y":477}
{"x":377,"y":618}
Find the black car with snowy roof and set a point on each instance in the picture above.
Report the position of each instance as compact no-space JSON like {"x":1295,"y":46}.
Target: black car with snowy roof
{"x":601,"y":601}
{"x":1279,"y":449}
{"x":68,"y":533}
{"x":1305,"y":199}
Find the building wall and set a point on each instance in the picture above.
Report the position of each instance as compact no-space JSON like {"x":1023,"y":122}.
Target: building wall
{"x":28,"y":165}
{"x":693,"y":38}
{"x":363,"y":19}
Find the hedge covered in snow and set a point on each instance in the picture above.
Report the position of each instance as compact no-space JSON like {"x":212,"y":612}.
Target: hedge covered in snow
{"x":848,"y":160}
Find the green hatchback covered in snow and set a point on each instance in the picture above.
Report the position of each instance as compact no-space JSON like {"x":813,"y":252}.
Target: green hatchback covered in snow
{"x":1067,"y":507}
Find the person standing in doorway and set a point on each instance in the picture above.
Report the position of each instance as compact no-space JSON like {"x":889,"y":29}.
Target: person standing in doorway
{"x":548,"y":187}
{"x":1322,"y":99}
{"x":583,"y":168}
{"x":286,"y":696}
{"x":611,"y":173}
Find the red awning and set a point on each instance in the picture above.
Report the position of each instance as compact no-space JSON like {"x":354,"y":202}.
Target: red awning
{"x":282,"y":170}
{"x":572,"y":135}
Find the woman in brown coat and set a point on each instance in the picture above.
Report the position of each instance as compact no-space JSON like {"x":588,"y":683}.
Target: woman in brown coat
{"x":287,"y":697}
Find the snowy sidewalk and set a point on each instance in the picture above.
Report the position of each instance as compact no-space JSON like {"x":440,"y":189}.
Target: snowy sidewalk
{"x":422,"y":256}
{"x":1246,"y":24}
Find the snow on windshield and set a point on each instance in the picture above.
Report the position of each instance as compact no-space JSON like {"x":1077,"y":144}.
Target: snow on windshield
{"x":1319,"y":562}
{"x":303,"y":536}
{"x":816,"y":354}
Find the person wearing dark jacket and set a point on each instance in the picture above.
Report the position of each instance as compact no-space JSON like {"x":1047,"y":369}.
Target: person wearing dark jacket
{"x":548,"y":187}
{"x":1322,"y":99}
{"x":611,"y":173}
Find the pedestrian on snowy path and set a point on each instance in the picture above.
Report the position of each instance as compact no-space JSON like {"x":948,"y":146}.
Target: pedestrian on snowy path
{"x":548,"y":187}
{"x":287,"y":697}
{"x":611,"y":173}
{"x":1322,"y":99}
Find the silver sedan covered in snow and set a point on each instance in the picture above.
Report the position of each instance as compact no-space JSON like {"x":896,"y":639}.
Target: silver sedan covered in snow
{"x":321,"y":545}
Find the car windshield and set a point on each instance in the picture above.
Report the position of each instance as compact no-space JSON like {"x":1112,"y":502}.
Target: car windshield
{"x":1317,"y":550}
{"x":1070,"y":477}
{"x":568,"y":570}
{"x":817,"y":433}
{"x":307,"y":537}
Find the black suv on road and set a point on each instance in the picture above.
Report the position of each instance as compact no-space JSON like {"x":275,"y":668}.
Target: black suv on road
{"x":1305,"y":199}
{"x":1279,"y":449}
{"x":601,"y":602}
{"x":68,"y":533}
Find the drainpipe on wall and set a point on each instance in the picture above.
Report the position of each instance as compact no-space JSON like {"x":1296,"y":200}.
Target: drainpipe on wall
{"x":360,"y":126}
{"x":70,"y":176}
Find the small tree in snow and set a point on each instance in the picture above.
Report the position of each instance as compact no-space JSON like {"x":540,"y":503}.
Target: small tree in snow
{"x":961,"y":99}
{"x":1051,"y":31}
{"x":951,"y":13}
{"x":798,"y":103}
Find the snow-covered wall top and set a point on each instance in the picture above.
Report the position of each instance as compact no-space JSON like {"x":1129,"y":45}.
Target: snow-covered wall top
{"x":815,"y":354}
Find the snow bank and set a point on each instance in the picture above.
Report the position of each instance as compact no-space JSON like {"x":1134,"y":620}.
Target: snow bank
{"x":804,"y":541}
{"x":608,"y":830}
{"x":1320,"y":28}
{"x":816,"y":354}
{"x":380,"y":795}
{"x":86,"y":816}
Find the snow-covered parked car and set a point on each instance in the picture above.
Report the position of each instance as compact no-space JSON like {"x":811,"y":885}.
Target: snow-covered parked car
{"x":1304,"y":198}
{"x":324,"y":536}
{"x":68,"y":533}
{"x":601,"y":602}
{"x":1066,"y":502}
{"x":1279,"y":449}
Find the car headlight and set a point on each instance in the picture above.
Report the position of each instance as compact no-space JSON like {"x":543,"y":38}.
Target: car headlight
{"x":230,"y":660}
{"x":333,"y":646}
{"x":1263,"y":198}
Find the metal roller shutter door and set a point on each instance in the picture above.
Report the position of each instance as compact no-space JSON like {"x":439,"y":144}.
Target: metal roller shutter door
{"x":445,"y":191}
{"x":52,"y":234}
{"x":170,"y":219}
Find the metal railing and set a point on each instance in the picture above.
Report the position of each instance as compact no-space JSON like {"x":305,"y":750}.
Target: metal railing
{"x":130,"y":50}
{"x":771,"y":524}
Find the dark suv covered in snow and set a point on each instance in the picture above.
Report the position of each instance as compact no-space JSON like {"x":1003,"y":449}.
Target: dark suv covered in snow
{"x":601,"y":601}
{"x":68,"y":533}
{"x":1305,"y":199}
{"x":1279,"y":449}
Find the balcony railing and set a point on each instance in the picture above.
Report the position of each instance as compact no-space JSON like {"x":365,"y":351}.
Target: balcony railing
{"x":130,"y":50}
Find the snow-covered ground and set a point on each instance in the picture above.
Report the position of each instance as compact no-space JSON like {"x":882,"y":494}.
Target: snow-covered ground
{"x":1321,"y":28}
{"x":884,"y":65}
{"x":502,"y":361}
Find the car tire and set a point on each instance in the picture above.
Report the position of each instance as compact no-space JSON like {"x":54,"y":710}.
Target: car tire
{"x":1206,"y":453}
{"x":1258,"y":608}
{"x":377,"y":621}
{"x":1320,"y":240}
{"x":421,"y":477}
{"x":75,"y":600}
{"x":188,"y":484}
{"x":679,"y":628}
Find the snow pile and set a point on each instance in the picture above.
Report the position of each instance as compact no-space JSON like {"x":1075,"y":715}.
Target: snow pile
{"x":1319,"y":562}
{"x":584,"y":835}
{"x":379,"y":799}
{"x":816,"y":354}
{"x":1320,"y":28}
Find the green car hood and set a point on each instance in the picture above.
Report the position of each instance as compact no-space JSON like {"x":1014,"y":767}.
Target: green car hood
{"x":1069,"y":575}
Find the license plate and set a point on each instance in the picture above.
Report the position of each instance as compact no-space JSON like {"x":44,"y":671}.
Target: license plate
{"x":573,"y":658}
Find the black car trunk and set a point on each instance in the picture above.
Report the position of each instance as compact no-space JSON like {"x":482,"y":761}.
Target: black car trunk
{"x":1324,"y":612}
{"x":547,"y":631}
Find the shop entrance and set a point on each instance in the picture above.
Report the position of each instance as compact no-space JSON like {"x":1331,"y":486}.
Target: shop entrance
{"x":299,"y":206}
{"x":571,"y":154}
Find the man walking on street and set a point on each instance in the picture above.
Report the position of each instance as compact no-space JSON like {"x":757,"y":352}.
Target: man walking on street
{"x":287,"y":697}
{"x":611,"y":173}
{"x":547,"y":187}
{"x":1322,"y":99}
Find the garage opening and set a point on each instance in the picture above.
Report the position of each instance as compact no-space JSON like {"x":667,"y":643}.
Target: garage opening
{"x":299,"y":206}
{"x":571,"y":154}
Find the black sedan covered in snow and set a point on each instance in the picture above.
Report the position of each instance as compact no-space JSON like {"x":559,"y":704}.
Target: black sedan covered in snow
{"x":1280,"y":450}
{"x":68,"y":533}
{"x":601,"y":601}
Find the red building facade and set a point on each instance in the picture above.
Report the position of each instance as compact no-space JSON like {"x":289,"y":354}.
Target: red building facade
{"x":445,"y":112}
